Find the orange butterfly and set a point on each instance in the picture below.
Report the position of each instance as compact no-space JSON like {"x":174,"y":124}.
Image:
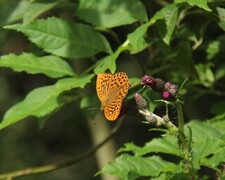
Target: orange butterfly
{"x":111,"y":90}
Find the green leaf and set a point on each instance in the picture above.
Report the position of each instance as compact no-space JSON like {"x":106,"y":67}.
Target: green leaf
{"x":18,"y":11}
{"x":207,"y":142}
{"x":166,"y":27}
{"x":109,"y":62}
{"x":221,"y":15}
{"x":51,"y":66}
{"x":206,"y":130}
{"x":215,"y":159}
{"x":167,"y":144}
{"x":199,"y":3}
{"x":64,"y":39}
{"x":218,"y":107}
{"x":205,"y":74}
{"x":130,"y":167}
{"x":42,"y":101}
{"x":137,"y":39}
{"x":206,"y":148}
{"x":36,"y":8}
{"x":215,"y":48}
{"x":107,"y":13}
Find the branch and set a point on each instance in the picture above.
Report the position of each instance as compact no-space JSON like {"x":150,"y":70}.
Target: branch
{"x":53,"y":167}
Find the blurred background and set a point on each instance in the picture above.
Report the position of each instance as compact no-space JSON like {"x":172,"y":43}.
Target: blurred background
{"x":71,"y":130}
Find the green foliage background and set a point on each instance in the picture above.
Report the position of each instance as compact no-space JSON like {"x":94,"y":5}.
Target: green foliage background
{"x":51,"y":52}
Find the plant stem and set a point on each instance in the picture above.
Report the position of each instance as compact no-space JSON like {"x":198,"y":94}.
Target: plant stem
{"x":186,"y":149}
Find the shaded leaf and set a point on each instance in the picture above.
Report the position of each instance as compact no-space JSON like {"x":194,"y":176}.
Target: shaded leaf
{"x":62,"y":38}
{"x":221,"y":15}
{"x":215,"y":48}
{"x":218,"y":108}
{"x":36,"y":8}
{"x":137,"y":39}
{"x":51,"y":66}
{"x":18,"y":11}
{"x":106,"y":13}
{"x":166,"y":27}
{"x":199,"y":3}
{"x":205,"y":74}
{"x":42,"y":101}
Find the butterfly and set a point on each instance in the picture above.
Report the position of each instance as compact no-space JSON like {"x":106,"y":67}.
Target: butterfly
{"x":111,"y":90}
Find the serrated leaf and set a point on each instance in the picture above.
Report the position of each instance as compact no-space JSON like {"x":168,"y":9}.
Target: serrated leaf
{"x":166,"y":145}
{"x":199,"y":3}
{"x":214,"y":160}
{"x":130,"y":167}
{"x":42,"y":101}
{"x":51,"y":66}
{"x":36,"y":8}
{"x":106,"y":13}
{"x":200,"y":130}
{"x":204,"y":148}
{"x":64,"y":39}
{"x":207,"y":141}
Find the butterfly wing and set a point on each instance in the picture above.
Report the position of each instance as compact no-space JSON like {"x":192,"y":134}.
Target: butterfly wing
{"x":112,"y":110}
{"x":111,"y":90}
{"x":118,"y":89}
{"x":119,"y":85}
{"x":102,"y":85}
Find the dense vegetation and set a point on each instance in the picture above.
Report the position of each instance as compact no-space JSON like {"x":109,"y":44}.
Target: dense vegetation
{"x":51,"y":54}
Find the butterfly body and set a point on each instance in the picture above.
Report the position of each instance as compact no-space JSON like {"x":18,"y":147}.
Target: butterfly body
{"x":111,"y":90}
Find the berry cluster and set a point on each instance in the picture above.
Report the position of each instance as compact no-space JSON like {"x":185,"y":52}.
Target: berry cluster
{"x":168,"y":90}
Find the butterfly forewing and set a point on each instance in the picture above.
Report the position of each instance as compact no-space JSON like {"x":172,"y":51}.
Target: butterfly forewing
{"x":102,"y":85}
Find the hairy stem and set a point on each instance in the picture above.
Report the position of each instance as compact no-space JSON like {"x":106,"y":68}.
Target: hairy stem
{"x":184,"y":143}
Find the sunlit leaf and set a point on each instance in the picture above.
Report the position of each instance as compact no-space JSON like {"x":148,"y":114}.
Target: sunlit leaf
{"x":42,"y":101}
{"x":208,"y":150}
{"x":131,"y":167}
{"x":62,"y":38}
{"x":137,"y":39}
{"x":166,"y":145}
{"x":51,"y":66}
